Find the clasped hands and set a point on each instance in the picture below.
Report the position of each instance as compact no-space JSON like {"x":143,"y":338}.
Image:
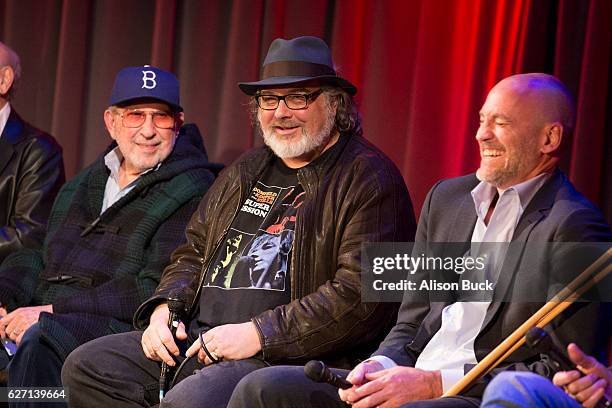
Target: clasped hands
{"x":227,"y":342}
{"x":375,"y":386}
{"x":13,"y":325}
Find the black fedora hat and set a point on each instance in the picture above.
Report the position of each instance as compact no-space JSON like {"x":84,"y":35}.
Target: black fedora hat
{"x":290,"y":62}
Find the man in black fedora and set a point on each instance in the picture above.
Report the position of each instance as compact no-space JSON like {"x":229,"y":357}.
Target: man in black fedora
{"x":311,"y":196}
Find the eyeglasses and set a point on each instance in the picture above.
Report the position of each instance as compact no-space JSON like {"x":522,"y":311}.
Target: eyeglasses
{"x":292,"y":101}
{"x":136,"y":118}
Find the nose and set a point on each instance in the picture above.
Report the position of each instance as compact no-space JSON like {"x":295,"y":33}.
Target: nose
{"x":148,"y":128}
{"x":282,"y":111}
{"x":484,"y":132}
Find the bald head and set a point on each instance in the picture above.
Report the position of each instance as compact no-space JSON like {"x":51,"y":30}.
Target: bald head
{"x":10,"y":72}
{"x":522,"y":124}
{"x":547,"y":98}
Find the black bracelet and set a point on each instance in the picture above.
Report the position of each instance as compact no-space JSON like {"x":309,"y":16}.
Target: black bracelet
{"x":208,"y":353}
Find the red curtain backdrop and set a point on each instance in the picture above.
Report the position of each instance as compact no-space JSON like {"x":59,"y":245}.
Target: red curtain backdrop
{"x":423,"y":68}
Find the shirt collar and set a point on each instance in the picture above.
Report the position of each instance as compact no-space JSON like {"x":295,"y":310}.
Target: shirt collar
{"x":484,"y":193}
{"x":527,"y":189}
{"x":4,"y":115}
{"x":113,"y":160}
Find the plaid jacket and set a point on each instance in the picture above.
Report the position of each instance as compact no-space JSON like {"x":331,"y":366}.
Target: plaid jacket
{"x":96,"y":269}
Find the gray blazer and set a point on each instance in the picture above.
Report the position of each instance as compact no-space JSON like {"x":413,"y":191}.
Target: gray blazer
{"x":557,"y":213}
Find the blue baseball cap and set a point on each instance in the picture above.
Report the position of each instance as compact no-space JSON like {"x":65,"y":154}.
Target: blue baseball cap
{"x":146,"y":82}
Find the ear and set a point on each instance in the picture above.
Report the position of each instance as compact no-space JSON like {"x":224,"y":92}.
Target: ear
{"x":180,"y":119}
{"x":334,"y":103}
{"x":7,"y":76}
{"x":109,"y":122}
{"x":553,"y":138}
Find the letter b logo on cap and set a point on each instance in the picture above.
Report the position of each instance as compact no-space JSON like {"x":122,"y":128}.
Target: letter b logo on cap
{"x":148,"y":79}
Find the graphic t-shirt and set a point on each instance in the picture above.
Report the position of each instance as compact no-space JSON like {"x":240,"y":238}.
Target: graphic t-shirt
{"x":250,"y":270}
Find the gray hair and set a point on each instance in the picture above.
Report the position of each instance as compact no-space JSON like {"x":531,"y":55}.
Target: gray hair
{"x":347,"y":119}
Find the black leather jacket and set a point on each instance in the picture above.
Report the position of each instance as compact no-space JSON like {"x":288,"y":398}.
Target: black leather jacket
{"x":31,"y":174}
{"x":354,"y":195}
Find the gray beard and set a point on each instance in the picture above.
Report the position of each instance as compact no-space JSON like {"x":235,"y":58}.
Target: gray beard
{"x":502,"y":176}
{"x":306,"y":143}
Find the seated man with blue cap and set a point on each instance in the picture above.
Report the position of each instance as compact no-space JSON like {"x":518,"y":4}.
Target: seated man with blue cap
{"x":111,"y":231}
{"x":271,"y":271}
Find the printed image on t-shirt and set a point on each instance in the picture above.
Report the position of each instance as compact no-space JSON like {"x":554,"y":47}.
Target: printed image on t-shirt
{"x":257,"y":248}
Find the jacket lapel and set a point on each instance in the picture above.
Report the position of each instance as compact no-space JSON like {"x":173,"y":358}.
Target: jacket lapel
{"x":537,"y":210}
{"x":10,"y":136}
{"x":6,"y":152}
{"x":464,"y":221}
{"x":96,"y":184}
{"x":461,"y":225}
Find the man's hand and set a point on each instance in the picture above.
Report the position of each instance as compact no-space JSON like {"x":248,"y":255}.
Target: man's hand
{"x":157,"y":341}
{"x":13,"y":325}
{"x":230,"y":342}
{"x":393,"y":387}
{"x":357,"y":377}
{"x":589,"y":389}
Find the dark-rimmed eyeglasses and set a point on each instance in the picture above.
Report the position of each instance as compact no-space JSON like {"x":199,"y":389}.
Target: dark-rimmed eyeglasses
{"x":133,"y":118}
{"x":292,"y":101}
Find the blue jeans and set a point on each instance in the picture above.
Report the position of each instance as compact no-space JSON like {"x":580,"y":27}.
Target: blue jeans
{"x":35,"y":364}
{"x":517,"y":389}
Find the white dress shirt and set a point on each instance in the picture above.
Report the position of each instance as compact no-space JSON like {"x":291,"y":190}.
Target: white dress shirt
{"x":4,"y":115}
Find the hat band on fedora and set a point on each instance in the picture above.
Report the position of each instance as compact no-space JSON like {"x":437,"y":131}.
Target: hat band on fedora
{"x":295,"y":68}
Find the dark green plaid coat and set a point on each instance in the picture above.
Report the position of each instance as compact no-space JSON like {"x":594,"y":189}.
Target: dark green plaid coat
{"x":96,"y":279}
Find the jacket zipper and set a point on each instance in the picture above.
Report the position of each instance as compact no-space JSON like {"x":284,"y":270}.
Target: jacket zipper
{"x":297,"y":285}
